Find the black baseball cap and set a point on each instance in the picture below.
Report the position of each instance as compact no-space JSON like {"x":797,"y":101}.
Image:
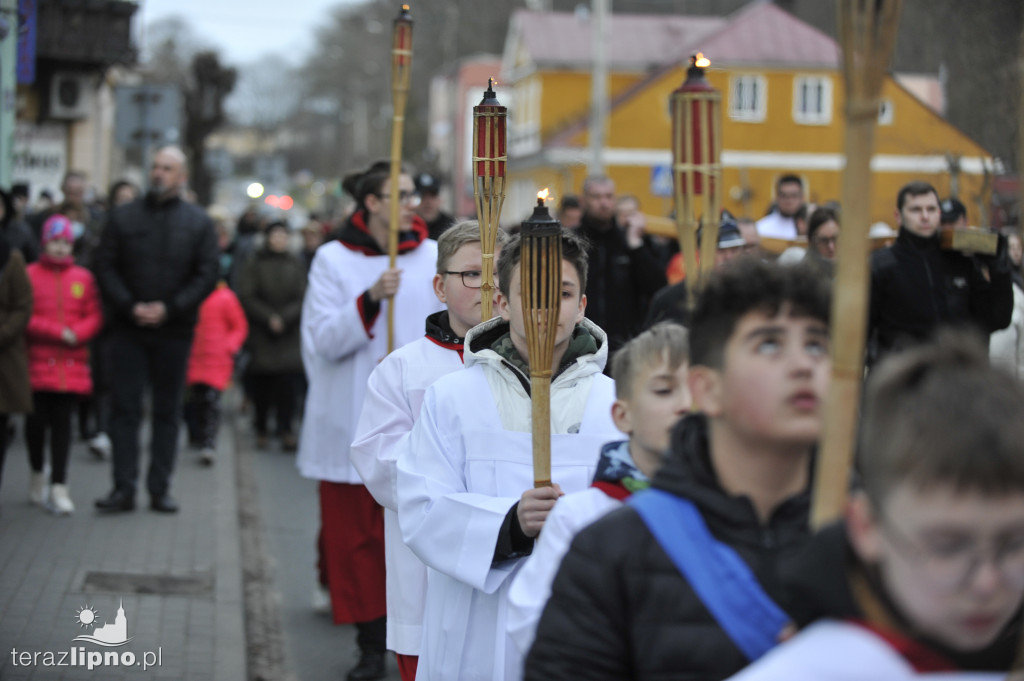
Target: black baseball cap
{"x":952,"y":210}
{"x":428,"y":184}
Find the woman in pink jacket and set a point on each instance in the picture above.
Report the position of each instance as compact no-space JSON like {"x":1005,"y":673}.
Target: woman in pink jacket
{"x":65,"y":318}
{"x":220,"y":332}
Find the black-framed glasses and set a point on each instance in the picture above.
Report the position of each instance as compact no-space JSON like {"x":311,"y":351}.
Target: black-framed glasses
{"x":952,"y":566}
{"x":470,"y":278}
{"x":406,"y":198}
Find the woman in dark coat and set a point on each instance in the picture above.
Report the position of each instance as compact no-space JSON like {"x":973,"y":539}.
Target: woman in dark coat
{"x":15,"y":311}
{"x":270,"y":288}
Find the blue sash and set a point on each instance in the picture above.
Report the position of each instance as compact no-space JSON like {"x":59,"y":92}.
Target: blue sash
{"x":719,"y":577}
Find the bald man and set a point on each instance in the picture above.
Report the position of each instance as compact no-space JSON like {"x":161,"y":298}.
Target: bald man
{"x":156,"y":263}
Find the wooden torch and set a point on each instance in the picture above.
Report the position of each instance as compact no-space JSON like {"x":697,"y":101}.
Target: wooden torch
{"x":867,"y":33}
{"x":540,"y":281}
{"x":696,"y":110}
{"x":401,"y":72}
{"x":489,"y":159}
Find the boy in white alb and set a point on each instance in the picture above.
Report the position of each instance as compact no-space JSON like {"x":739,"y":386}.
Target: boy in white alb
{"x":651,"y":396}
{"x":394,"y":394}
{"x":466,"y":503}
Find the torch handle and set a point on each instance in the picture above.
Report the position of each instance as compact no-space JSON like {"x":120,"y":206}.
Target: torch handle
{"x":487,"y":287}
{"x":397,"y":126}
{"x":540,"y":395}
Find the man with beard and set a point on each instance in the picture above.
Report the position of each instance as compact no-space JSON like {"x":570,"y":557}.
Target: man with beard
{"x":789,"y":197}
{"x":156,"y":263}
{"x":624,"y":268}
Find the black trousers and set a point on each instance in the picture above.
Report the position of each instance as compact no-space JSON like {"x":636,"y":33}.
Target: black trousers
{"x":146,"y":358}
{"x":52,"y":412}
{"x":371,"y":637}
{"x":202,"y":415}
{"x":277,"y":392}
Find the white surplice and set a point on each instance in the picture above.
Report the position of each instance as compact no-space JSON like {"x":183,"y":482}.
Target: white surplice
{"x":457,"y":480}
{"x":394,"y":394}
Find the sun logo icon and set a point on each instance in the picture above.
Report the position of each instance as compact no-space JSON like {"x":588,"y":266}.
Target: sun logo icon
{"x":87,"y":616}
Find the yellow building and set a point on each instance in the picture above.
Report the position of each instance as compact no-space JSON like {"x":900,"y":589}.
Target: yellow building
{"x":782,"y":110}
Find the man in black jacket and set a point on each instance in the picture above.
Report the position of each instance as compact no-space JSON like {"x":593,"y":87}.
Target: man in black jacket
{"x":156,"y":263}
{"x":624,"y":268}
{"x":620,"y":606}
{"x":917,"y":287}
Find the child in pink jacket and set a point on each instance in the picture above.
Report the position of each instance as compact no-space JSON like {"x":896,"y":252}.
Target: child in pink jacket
{"x":219,"y":335}
{"x":65,"y":317}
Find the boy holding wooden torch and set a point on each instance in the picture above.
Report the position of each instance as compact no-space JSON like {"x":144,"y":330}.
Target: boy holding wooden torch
{"x":462,"y":507}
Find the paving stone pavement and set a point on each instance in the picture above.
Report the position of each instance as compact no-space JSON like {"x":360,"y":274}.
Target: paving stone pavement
{"x":48,"y":563}
{"x":49,"y":566}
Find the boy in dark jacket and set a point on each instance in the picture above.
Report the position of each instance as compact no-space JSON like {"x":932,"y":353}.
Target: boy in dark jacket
{"x":620,"y":606}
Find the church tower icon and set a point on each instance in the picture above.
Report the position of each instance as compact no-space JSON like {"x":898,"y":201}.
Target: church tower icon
{"x":110,"y":634}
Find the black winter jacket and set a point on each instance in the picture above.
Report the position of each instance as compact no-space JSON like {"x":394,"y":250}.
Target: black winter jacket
{"x":620,"y":281}
{"x":917,"y":287}
{"x":163,"y":252}
{"x":619,"y":607}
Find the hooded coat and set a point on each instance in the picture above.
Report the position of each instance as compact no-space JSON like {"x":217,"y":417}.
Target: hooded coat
{"x":65,"y":296}
{"x":15,"y":311}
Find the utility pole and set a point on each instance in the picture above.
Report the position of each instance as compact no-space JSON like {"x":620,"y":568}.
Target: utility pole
{"x":599,"y":84}
{"x":8,"y":87}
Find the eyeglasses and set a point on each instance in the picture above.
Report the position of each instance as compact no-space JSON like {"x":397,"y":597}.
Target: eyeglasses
{"x":951,"y":567}
{"x":790,"y":195}
{"x":470,"y":278}
{"x":410,"y":199}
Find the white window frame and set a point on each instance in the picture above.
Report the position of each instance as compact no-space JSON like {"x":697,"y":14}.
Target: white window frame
{"x":524,"y":117}
{"x":800,"y":112}
{"x":885,"y":112}
{"x":754,"y":114}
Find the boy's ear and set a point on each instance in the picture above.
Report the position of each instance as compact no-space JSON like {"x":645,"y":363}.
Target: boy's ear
{"x":705,"y":389}
{"x":501,"y":305}
{"x":620,"y":417}
{"x":372,"y":203}
{"x":583,"y":308}
{"x":439,"y":288}
{"x":862,"y":528}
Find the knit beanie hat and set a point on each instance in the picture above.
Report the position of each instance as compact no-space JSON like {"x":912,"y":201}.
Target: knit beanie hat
{"x":58,"y":226}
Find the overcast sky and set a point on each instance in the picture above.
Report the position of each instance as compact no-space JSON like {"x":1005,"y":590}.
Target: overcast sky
{"x":246,"y":29}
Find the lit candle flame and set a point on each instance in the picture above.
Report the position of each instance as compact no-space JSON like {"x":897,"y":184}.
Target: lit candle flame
{"x":542,"y":195}
{"x":701,"y":61}
{"x":405,"y":8}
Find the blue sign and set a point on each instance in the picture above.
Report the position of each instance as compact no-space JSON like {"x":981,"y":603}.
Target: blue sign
{"x":28,"y":19}
{"x":661,"y":180}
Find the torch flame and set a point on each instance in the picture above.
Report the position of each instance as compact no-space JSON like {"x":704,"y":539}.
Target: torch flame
{"x":543,"y":195}
{"x":405,"y":8}
{"x":701,"y":61}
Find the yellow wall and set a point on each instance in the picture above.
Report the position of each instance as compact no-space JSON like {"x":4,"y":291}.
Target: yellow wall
{"x":643,"y":123}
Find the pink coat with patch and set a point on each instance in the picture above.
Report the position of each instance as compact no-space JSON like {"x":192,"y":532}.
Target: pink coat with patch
{"x":65,"y":295}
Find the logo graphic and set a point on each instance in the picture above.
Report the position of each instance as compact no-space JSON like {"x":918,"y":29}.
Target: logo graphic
{"x":77,"y":289}
{"x":110,"y":635}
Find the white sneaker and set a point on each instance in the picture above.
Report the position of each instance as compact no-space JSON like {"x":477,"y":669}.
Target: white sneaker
{"x":321,"y":600}
{"x":37,"y":489}
{"x":100,"y":446}
{"x":206,"y":456}
{"x":60,"y":502}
